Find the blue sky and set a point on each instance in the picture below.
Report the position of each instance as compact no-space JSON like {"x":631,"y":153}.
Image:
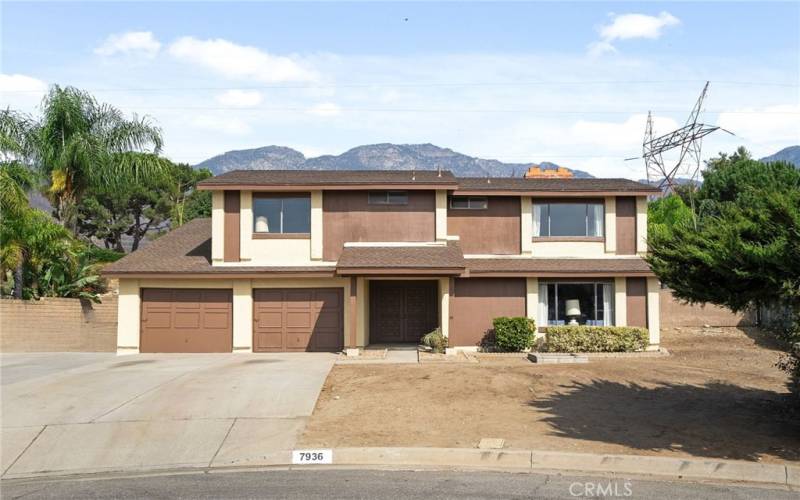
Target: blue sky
{"x":564,"y":82}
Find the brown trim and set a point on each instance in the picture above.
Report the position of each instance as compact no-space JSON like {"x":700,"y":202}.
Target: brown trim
{"x":232,"y":229}
{"x":626,"y":225}
{"x":267,"y":194}
{"x":324,"y":187}
{"x":281,"y":236}
{"x":568,"y":238}
{"x":636,"y":302}
{"x":551,"y":194}
{"x":225,"y":275}
{"x":555,"y":200}
{"x":388,"y":271}
{"x":557,"y":274}
{"x":353,"y":313}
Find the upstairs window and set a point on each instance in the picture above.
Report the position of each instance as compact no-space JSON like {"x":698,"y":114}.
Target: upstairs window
{"x":282,"y":214}
{"x":469,"y":202}
{"x":568,"y":219}
{"x":388,"y":198}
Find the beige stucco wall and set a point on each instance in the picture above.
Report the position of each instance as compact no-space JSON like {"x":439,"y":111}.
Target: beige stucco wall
{"x":610,"y":225}
{"x":217,"y":226}
{"x":316,"y":225}
{"x":620,"y":301}
{"x":532,"y":304}
{"x":128,"y":317}
{"x":362,"y":309}
{"x":559,"y":249}
{"x":242,"y":316}
{"x":653,"y":311}
{"x":444,"y":306}
{"x":276,"y":252}
{"x":441,"y":215}
{"x":641,"y":224}
{"x":526,"y":225}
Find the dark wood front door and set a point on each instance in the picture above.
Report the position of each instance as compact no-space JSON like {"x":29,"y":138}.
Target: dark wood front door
{"x":401,"y":311}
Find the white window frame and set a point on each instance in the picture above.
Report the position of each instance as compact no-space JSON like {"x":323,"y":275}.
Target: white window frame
{"x":542,"y":209}
{"x":608,"y":300}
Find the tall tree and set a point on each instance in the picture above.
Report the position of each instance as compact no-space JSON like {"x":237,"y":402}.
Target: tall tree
{"x":78,"y":142}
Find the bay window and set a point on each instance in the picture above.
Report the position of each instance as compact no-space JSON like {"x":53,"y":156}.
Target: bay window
{"x":570,"y":219}
{"x":282,"y":214}
{"x":581,"y":303}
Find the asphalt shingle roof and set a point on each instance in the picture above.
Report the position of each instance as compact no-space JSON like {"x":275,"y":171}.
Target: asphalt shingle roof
{"x":401,"y":257}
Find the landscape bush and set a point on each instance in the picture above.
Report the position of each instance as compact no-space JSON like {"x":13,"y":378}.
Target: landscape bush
{"x":513,"y":334}
{"x":435,"y":340}
{"x":595,"y":339}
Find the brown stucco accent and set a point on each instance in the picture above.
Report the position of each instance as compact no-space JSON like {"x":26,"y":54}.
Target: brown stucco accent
{"x":186,"y":320}
{"x":495,"y":230}
{"x":353,"y":326}
{"x":232,"y":229}
{"x":475,"y":302}
{"x":347,"y":216}
{"x":626,"y":225}
{"x":636,"y":291}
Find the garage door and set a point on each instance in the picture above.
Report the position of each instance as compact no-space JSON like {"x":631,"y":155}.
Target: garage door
{"x":298,"y":319}
{"x":186,"y":320}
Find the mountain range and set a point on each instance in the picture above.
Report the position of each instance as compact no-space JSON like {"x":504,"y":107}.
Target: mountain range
{"x":372,"y":157}
{"x":790,"y":155}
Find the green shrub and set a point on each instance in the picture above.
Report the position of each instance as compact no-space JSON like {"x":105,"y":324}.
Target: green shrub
{"x":435,"y":340}
{"x":513,"y":334}
{"x":595,"y":339}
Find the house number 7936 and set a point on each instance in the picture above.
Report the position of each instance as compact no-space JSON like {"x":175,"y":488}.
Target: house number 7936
{"x":301,"y":457}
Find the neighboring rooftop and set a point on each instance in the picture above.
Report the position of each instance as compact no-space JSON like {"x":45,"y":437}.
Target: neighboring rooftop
{"x":408,"y":179}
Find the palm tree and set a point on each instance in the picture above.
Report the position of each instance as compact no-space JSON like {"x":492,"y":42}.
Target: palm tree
{"x":79,"y":142}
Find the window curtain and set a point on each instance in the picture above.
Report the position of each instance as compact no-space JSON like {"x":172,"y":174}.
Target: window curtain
{"x":537,"y":220}
{"x":542,"y":316}
{"x":596,"y":216}
{"x":608,"y":310}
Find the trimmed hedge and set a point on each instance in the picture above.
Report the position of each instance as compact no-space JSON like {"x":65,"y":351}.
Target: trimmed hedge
{"x":595,"y":339}
{"x":513,"y":334}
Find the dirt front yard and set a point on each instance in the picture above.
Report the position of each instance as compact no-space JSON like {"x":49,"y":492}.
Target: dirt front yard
{"x":718,"y":395}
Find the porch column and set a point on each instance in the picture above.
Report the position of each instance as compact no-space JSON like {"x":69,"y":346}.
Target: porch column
{"x":242,"y":316}
{"x":128,"y":319}
{"x":444,"y":306}
{"x":532,"y":304}
{"x":653,"y":311}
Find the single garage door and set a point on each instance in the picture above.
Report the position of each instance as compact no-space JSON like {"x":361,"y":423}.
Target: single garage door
{"x":298,"y":319}
{"x":186,"y":320}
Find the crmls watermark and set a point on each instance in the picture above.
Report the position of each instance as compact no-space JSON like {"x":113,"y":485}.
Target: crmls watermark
{"x":601,"y":489}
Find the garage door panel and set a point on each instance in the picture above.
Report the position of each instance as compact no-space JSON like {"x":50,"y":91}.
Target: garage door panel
{"x":186,"y":320}
{"x":299,"y":319}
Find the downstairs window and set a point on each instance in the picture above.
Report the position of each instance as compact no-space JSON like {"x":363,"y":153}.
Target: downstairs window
{"x":584,"y":303}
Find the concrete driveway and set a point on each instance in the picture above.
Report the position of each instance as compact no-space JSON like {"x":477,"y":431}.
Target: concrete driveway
{"x":73,"y":412}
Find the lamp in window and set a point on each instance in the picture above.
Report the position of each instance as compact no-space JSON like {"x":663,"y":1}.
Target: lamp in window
{"x":261,"y":224}
{"x":573,"y":311}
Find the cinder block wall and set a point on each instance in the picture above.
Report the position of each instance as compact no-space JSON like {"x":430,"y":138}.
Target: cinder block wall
{"x":57,"y":324}
{"x":674,"y":313}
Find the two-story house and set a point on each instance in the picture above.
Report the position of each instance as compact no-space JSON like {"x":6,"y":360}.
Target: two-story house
{"x":326,"y":260}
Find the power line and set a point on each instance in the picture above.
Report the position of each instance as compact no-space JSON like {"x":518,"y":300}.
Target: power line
{"x":427,"y":84}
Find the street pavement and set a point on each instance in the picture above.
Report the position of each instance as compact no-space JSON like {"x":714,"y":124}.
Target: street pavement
{"x":71,"y":413}
{"x":376,"y":484}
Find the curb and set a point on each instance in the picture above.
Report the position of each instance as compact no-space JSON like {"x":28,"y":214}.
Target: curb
{"x":511,"y":460}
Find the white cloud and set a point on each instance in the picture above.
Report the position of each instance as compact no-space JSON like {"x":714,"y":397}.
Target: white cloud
{"x":21,"y":92}
{"x":240,"y":98}
{"x":132,"y":42}
{"x":325,"y":109}
{"x":221,"y":123}
{"x":764,"y":125}
{"x":619,"y":136}
{"x":239,"y":61}
{"x":630,"y":26}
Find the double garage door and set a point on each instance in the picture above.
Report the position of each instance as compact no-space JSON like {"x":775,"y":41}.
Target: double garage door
{"x":201,"y":320}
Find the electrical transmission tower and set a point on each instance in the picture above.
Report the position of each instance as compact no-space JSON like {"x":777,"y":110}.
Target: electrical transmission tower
{"x":688,"y":138}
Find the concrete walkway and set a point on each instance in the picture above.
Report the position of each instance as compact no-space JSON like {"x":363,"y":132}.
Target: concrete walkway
{"x":153,"y":411}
